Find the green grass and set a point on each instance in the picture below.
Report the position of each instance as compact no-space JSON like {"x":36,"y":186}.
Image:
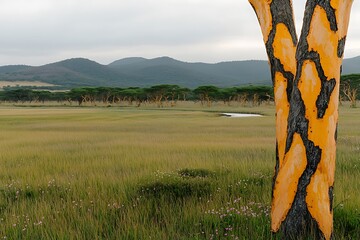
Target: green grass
{"x":126,"y":173}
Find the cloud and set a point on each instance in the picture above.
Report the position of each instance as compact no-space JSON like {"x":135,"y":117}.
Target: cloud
{"x":193,"y":30}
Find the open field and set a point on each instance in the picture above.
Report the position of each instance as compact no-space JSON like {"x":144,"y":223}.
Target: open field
{"x":147,"y":173}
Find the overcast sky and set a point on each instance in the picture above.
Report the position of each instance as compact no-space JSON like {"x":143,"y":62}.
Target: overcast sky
{"x":37,"y":32}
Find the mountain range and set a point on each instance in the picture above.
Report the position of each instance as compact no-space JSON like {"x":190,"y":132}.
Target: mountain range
{"x":142,"y":72}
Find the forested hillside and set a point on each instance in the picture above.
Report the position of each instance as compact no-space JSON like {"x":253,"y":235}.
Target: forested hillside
{"x":142,"y":72}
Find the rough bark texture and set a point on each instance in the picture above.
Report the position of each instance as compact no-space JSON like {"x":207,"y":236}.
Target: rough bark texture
{"x":306,"y":78}
{"x":277,"y":24}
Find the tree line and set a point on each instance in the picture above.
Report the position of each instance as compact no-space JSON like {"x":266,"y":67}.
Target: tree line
{"x":164,"y":94}
{"x":158,"y":94}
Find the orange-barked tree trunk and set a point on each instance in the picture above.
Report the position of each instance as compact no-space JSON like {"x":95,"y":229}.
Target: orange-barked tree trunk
{"x":306,"y":79}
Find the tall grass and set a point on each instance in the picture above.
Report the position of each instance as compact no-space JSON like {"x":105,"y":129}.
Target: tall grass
{"x":125,"y":173}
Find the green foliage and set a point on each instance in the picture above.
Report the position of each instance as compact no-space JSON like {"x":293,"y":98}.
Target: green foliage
{"x":353,"y":80}
{"x":176,"y":189}
{"x":131,"y":94}
{"x":158,"y":94}
{"x":207,"y":94}
{"x":196,"y":172}
{"x":18,"y":95}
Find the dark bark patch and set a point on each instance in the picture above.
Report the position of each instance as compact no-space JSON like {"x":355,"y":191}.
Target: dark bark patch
{"x":280,"y":14}
{"x":341,"y":47}
{"x":322,"y":102}
{"x":331,"y":197}
{"x":299,"y":222}
{"x":280,"y":11}
{"x":336,"y":132}
{"x":330,"y":14}
{"x":297,"y":110}
{"x":313,"y":154}
{"x":277,"y":166}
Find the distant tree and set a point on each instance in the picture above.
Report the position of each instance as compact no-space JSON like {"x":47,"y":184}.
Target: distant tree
{"x":183,"y":93}
{"x":350,"y":93}
{"x":172,"y":93}
{"x":227,"y":94}
{"x":19,"y":95}
{"x":207,"y":94}
{"x":350,"y":88}
{"x":91,"y":94}
{"x":116,"y":95}
{"x":59,"y":96}
{"x":133,"y":94}
{"x":164,"y":92}
{"x":77,"y":94}
{"x":104,"y":94}
{"x":42,"y":96}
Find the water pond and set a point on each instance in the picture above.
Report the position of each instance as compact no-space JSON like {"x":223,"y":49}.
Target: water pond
{"x":240,"y":115}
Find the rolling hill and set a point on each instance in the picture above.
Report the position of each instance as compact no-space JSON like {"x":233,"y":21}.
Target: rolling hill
{"x":351,"y":65}
{"x":142,"y":72}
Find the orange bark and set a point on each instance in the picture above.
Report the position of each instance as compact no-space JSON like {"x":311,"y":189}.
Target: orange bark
{"x":282,"y":113}
{"x":262,"y":9}
{"x":283,"y":48}
{"x":294,"y":166}
{"x":306,"y":117}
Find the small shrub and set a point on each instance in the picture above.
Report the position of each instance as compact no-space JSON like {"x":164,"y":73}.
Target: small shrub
{"x":176,"y":188}
{"x":193,"y":173}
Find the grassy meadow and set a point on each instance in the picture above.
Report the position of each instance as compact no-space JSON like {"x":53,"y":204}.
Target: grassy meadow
{"x":150,"y":173}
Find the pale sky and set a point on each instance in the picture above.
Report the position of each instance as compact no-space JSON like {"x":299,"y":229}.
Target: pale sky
{"x":36,"y":32}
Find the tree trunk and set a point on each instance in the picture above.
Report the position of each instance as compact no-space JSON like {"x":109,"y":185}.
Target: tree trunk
{"x":306,"y":79}
{"x":350,"y":93}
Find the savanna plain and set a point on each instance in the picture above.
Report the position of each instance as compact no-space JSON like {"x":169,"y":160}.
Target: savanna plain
{"x":152,"y":173}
